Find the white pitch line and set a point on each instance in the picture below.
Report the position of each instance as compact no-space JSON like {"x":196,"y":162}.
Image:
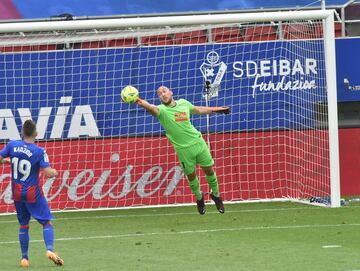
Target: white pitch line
{"x":331,"y":246}
{"x":189,"y":232}
{"x":169,"y":214}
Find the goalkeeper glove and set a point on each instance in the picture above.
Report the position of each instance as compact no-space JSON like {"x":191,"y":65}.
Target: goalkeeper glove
{"x":222,"y":110}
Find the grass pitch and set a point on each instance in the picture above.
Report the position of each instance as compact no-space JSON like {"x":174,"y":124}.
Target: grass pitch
{"x":257,"y":236}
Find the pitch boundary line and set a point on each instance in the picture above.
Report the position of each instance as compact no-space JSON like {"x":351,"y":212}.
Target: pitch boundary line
{"x":284,"y":227}
{"x":166,"y":214}
{"x":331,"y":246}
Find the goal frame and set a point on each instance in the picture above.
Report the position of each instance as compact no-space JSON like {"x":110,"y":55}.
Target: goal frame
{"x":329,"y":47}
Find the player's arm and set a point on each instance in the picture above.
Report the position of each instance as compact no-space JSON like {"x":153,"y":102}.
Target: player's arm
{"x":45,"y":165}
{"x":4,"y":161}
{"x":50,"y":172}
{"x":204,"y":110}
{"x":152,"y":109}
{"x":4,"y":153}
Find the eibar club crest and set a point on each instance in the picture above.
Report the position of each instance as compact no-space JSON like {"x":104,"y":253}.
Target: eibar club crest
{"x":213,"y":72}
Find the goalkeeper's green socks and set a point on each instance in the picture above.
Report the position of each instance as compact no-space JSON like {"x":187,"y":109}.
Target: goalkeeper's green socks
{"x":195,"y":188}
{"x":213,"y":183}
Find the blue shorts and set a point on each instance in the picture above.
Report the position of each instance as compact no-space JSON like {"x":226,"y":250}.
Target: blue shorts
{"x":38,"y":210}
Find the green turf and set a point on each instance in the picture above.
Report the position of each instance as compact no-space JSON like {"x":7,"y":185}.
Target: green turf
{"x":271,"y":236}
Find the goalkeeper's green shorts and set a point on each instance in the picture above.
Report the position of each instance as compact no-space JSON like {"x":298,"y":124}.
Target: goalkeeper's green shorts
{"x":197,"y":154}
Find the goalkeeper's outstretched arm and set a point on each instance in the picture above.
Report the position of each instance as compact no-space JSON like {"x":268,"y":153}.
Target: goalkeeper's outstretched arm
{"x":203,"y":110}
{"x":152,"y":109}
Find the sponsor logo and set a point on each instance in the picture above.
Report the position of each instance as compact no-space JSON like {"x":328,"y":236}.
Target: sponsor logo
{"x":107,"y":184}
{"x":213,"y":72}
{"x":277,"y":75}
{"x":180,"y":116}
{"x":82,"y":121}
{"x":350,"y":87}
{"x":266,"y":75}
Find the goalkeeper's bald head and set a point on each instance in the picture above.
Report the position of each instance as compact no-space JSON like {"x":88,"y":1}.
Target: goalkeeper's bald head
{"x":165,"y":95}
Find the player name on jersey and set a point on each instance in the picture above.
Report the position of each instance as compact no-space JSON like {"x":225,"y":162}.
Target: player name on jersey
{"x":23,"y":150}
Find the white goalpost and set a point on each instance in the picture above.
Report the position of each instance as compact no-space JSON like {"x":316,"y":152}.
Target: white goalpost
{"x":276,"y":70}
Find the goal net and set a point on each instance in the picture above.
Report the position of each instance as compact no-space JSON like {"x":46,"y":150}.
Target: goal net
{"x":274,"y":72}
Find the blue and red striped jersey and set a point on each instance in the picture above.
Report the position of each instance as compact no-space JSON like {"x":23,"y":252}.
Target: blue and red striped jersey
{"x":26,"y":161}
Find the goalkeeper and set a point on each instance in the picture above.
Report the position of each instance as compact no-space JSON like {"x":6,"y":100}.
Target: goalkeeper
{"x":189,"y":145}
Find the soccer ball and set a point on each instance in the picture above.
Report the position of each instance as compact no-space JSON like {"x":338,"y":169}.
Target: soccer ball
{"x":129,"y":94}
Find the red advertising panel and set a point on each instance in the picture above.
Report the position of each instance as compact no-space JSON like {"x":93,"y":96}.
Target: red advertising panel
{"x":144,"y":171}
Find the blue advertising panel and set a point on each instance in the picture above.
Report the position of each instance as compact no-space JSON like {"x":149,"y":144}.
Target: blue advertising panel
{"x":266,"y":86}
{"x":348,"y":69}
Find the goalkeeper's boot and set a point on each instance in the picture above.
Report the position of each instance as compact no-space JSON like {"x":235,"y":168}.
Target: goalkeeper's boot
{"x":201,"y":205}
{"x":24,"y":263}
{"x":219,"y":203}
{"x":52,"y":256}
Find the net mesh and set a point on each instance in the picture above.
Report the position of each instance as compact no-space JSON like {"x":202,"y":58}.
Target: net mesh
{"x":273,"y":145}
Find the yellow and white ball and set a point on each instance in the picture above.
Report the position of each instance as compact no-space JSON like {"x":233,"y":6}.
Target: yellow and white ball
{"x":129,"y":94}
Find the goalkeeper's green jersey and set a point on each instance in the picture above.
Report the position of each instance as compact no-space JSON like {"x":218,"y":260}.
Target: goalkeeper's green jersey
{"x":177,"y":125}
